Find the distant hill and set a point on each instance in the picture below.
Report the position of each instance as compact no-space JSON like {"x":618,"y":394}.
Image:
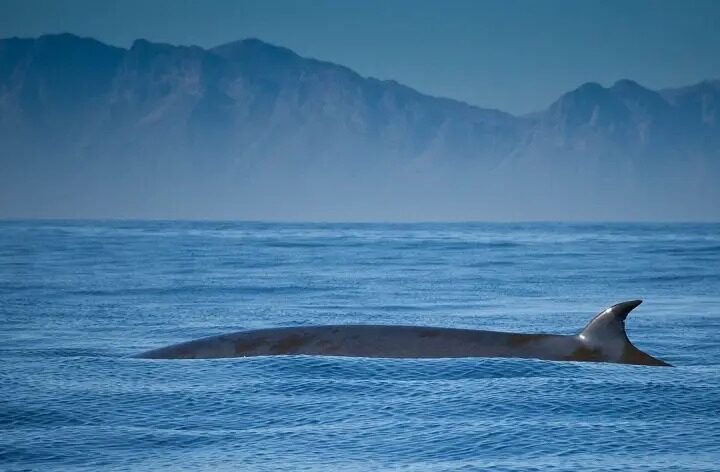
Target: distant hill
{"x":251,"y":130}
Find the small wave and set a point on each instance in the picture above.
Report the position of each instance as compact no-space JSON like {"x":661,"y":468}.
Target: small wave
{"x":198,"y":289}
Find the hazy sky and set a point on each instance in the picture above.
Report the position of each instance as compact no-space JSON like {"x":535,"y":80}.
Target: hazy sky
{"x":514,"y":55}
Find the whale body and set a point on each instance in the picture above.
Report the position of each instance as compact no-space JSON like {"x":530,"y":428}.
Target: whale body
{"x":602,"y":340}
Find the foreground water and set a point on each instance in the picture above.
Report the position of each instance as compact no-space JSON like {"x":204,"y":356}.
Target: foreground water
{"x":78,"y":298}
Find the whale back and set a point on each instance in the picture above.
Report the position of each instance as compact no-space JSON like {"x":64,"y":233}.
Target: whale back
{"x":605,"y":336}
{"x":603,"y":340}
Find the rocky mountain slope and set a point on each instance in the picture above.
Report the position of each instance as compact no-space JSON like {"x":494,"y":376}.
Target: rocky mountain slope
{"x":251,"y":130}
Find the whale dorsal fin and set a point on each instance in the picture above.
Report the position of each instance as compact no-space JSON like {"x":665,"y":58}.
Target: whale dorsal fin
{"x":607,"y":332}
{"x":610,"y":323}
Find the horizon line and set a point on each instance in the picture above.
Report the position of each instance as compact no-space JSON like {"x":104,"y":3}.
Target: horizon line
{"x":346,"y":222}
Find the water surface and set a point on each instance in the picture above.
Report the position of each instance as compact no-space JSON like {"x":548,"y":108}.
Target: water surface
{"x":78,"y":298}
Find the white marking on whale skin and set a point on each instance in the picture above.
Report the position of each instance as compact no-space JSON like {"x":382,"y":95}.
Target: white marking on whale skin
{"x":602,"y":340}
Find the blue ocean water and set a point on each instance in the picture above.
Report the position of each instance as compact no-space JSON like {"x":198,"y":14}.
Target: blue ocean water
{"x":78,"y":298}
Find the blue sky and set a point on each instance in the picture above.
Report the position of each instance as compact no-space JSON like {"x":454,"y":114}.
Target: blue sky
{"x":515,"y":55}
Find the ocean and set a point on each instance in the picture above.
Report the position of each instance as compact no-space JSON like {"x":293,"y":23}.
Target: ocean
{"x":79,"y":298}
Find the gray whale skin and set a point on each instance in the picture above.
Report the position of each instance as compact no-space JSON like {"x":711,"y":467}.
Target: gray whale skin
{"x":602,"y":340}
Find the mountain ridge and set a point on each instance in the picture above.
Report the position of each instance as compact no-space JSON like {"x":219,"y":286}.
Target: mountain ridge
{"x":82,"y":121}
{"x":665,"y":91}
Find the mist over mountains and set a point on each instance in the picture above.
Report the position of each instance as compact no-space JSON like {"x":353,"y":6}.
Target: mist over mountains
{"x":247,"y":130}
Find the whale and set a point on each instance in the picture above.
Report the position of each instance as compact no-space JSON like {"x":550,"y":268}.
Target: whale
{"x":602,"y":340}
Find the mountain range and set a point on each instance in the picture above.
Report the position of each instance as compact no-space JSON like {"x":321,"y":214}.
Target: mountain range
{"x":248,"y":130}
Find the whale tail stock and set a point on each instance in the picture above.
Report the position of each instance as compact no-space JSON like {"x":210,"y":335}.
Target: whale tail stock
{"x":606,"y":333}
